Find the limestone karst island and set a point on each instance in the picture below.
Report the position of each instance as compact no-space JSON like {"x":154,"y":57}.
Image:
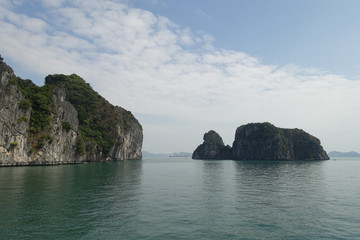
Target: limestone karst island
{"x":66,"y":122}
{"x":63,"y":122}
{"x":262,"y":141}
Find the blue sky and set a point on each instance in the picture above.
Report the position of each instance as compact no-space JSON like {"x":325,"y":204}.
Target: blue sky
{"x":321,"y":33}
{"x":185,"y":67}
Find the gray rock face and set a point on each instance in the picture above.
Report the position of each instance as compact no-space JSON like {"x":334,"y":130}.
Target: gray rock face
{"x":59,"y":142}
{"x":128,"y":141}
{"x":213,"y":147}
{"x":13,"y":121}
{"x":60,"y":148}
{"x":262,"y":141}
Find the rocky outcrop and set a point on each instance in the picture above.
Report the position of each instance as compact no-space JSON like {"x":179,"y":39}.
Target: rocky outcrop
{"x":59,"y":145}
{"x":42,"y":125}
{"x":264,"y":141}
{"x":213,"y":147}
{"x":128,"y":141}
{"x":13,"y":121}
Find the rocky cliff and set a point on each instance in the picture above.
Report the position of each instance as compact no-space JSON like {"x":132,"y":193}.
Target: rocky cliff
{"x":65,"y":121}
{"x":264,"y":141}
{"x":213,"y":147}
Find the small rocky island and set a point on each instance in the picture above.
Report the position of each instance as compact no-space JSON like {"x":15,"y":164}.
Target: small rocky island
{"x":63,"y":122}
{"x":262,"y":141}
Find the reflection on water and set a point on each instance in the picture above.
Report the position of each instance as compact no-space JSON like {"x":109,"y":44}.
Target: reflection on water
{"x":178,"y":198}
{"x":213,"y":177}
{"x":44,"y":201}
{"x":273,"y":196}
{"x":278,"y":175}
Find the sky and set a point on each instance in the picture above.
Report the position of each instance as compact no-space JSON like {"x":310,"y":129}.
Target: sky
{"x":186,"y":67}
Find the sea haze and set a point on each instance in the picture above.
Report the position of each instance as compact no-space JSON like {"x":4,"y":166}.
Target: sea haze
{"x":180,"y":198}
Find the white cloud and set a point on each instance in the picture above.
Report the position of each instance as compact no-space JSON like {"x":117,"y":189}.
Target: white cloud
{"x":52,"y":3}
{"x":154,"y":67}
{"x":28,"y":24}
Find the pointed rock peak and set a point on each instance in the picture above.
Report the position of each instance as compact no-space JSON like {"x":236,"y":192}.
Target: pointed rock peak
{"x":4,"y":67}
{"x":213,"y":137}
{"x":212,"y":148}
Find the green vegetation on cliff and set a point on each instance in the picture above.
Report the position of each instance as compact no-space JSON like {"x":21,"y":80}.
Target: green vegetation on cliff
{"x":263,"y":131}
{"x":40,"y":101}
{"x":63,"y":122}
{"x":97,"y":117}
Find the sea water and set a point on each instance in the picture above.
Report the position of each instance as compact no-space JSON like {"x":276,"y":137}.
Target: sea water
{"x":181,"y":198}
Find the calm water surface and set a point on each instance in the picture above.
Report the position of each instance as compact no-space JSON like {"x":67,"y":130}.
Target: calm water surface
{"x":179,"y":198}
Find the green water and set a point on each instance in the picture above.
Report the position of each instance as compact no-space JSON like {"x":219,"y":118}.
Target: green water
{"x":179,"y":198}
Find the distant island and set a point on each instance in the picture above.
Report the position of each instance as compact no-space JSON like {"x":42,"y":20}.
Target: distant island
{"x":63,"y":122}
{"x":147,"y":154}
{"x":334,"y":154}
{"x":262,"y":141}
{"x":180,"y":154}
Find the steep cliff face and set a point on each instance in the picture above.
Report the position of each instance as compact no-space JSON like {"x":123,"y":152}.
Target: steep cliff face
{"x":128,"y":139}
{"x":62,"y":122}
{"x":58,"y":146}
{"x":264,"y":141}
{"x":13,"y":121}
{"x":106,"y":132}
{"x":305,"y":146}
{"x":213,"y":147}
